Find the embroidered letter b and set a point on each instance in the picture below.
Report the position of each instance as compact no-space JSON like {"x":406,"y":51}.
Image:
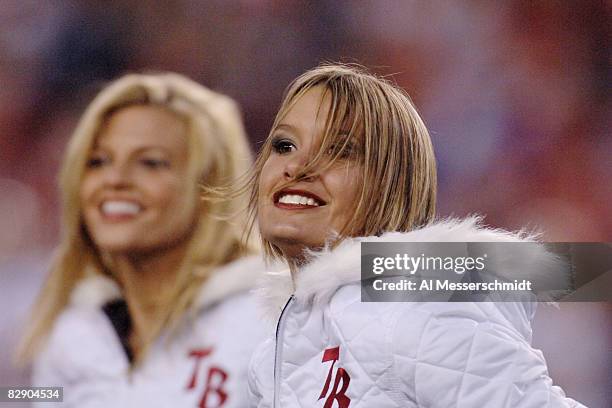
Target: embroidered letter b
{"x":215,"y":380}
{"x":339,"y":395}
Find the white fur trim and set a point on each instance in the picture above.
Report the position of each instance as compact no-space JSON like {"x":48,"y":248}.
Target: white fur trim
{"x":273,"y":291}
{"x":94,"y":291}
{"x":238,"y":276}
{"x":328,"y":270}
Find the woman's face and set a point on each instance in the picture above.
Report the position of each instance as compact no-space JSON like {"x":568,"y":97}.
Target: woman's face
{"x":135,"y":193}
{"x":305,"y":213}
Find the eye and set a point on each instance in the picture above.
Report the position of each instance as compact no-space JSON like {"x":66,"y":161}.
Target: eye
{"x":342,"y":150}
{"x":283,"y":146}
{"x":96,"y":161}
{"x":155,"y":163}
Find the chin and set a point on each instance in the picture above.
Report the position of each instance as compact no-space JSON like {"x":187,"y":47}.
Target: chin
{"x":295,"y":247}
{"x":280,"y":234}
{"x":115,"y":242}
{"x":115,"y":247}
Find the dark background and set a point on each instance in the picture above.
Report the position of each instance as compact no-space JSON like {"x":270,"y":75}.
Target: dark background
{"x":515,"y":94}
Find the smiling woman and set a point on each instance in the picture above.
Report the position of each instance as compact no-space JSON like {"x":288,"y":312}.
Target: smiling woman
{"x":145,"y":148}
{"x":349,"y":160}
{"x":147,"y":301}
{"x":355,"y":146}
{"x":305,"y":212}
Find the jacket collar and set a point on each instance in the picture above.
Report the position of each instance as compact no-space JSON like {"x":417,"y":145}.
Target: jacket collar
{"x":330,"y":269}
{"x":239,"y":276}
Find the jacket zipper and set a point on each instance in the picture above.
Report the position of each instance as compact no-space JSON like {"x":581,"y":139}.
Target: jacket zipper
{"x":280,"y":327}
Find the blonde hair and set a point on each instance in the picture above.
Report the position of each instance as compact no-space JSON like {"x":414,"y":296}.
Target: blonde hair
{"x":218,"y":155}
{"x":396,"y":153}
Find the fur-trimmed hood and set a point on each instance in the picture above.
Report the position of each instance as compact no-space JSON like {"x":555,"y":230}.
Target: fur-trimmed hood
{"x":330,"y":269}
{"x":235,"y":277}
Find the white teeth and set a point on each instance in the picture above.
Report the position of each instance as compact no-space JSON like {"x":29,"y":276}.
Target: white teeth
{"x":298,"y":200}
{"x":120,"y":208}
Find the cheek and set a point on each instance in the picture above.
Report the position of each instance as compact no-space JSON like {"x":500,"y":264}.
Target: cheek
{"x":347,"y":191}
{"x":169,"y":196}
{"x":176,"y":198}
{"x":86,"y":190}
{"x":87,"y":206}
{"x":266,"y":181}
{"x":265,"y":188}
{"x":354,"y":185}
{"x":169,"y":199}
{"x":347,"y":188}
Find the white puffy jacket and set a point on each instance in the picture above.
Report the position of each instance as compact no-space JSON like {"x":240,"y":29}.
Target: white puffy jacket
{"x":333,"y":351}
{"x":204,"y":365}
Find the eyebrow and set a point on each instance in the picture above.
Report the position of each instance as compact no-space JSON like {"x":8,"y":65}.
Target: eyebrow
{"x":343,"y":133}
{"x":136,"y":151}
{"x":345,"y":137}
{"x":288,"y":127}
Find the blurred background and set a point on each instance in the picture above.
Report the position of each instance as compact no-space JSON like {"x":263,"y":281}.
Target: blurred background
{"x":515,"y":93}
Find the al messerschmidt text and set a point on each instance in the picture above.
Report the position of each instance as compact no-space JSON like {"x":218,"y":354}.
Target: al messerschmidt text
{"x":435,"y":284}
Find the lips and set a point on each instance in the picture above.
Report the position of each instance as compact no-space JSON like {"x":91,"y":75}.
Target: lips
{"x":119,"y":210}
{"x":297,"y":199}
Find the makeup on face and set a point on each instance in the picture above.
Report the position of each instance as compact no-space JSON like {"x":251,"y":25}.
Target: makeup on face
{"x":134,"y":192}
{"x":303,"y":213}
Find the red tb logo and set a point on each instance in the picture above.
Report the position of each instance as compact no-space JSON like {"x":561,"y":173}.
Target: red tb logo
{"x":333,"y":354}
{"x":214,"y":380}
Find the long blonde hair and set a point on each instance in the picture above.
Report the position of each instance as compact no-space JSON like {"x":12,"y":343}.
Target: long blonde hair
{"x":218,"y":155}
{"x":398,"y":162}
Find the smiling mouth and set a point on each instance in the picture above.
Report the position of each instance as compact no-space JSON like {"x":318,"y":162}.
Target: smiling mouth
{"x":119,"y":210}
{"x":297,"y":200}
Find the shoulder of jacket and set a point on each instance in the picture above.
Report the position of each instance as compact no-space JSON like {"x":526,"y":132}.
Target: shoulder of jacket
{"x":94,"y":291}
{"x":237,"y":277}
{"x":331,"y":268}
{"x":82,"y":341}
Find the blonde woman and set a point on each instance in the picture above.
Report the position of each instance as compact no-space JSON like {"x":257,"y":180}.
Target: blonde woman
{"x":147,"y":301}
{"x":347,"y":157}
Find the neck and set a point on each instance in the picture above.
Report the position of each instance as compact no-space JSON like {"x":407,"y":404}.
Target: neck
{"x":147,"y":280}
{"x":296,"y":262}
{"x":298,"y":257}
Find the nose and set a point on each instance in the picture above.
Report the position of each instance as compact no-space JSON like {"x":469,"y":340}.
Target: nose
{"x":294,"y":167}
{"x":117,"y":176}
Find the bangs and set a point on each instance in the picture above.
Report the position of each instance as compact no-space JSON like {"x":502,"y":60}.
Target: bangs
{"x":371,"y":123}
{"x":343,"y":137}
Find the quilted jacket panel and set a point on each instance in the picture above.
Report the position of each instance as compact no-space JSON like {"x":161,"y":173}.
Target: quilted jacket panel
{"x":333,"y":351}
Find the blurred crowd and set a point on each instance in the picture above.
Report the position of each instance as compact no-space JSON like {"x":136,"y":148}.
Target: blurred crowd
{"x":515,"y":93}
